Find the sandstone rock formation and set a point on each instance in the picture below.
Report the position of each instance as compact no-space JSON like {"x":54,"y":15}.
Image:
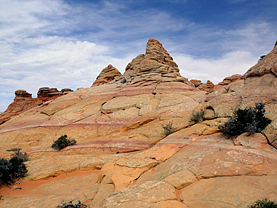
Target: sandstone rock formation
{"x":208,"y":87}
{"x":46,"y":93}
{"x":228,"y":80}
{"x":124,"y":156}
{"x":195,"y":82}
{"x":108,"y":74}
{"x":156,"y":65}
{"x":23,"y":101}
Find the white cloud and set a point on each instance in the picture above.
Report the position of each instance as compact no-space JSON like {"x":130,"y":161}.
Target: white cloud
{"x":237,"y":62}
{"x":56,"y":44}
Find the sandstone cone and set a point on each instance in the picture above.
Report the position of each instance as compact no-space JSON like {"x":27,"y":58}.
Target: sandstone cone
{"x":155,"y":65}
{"x":107,"y":74}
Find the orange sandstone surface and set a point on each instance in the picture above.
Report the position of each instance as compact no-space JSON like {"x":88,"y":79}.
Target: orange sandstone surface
{"x":124,"y":156}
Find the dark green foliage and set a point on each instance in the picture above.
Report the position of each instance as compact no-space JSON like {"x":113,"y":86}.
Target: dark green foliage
{"x":71,"y":205}
{"x":10,"y":170}
{"x":251,"y":120}
{"x":168,"y":128}
{"x":198,"y":116}
{"x":63,"y":142}
{"x":261,"y":57}
{"x":265,"y":203}
{"x":20,"y":155}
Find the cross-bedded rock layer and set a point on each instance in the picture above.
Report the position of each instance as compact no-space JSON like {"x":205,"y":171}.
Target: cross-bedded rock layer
{"x":121,"y":129}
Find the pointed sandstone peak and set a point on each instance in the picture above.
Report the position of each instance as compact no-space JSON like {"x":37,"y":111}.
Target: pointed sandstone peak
{"x":154,"y":47}
{"x":267,"y":65}
{"x":108,"y":74}
{"x":155,"y":62}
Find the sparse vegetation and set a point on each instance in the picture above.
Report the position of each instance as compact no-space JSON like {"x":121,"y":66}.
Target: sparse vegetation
{"x":19,"y":155}
{"x":63,"y":142}
{"x":265,"y":203}
{"x":168,"y":128}
{"x":261,"y":57}
{"x":71,"y":205}
{"x":11,"y":169}
{"x":251,"y":120}
{"x":199,"y":116}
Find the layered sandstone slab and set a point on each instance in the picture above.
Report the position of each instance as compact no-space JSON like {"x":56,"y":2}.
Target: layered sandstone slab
{"x":108,"y":74}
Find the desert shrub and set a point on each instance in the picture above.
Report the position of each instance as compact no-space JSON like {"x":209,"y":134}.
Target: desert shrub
{"x":265,"y":203}
{"x":168,"y":128}
{"x":71,"y":205}
{"x":11,"y":169}
{"x":24,"y":156}
{"x":63,"y":142}
{"x":261,"y":57}
{"x":197,"y":116}
{"x":251,"y":120}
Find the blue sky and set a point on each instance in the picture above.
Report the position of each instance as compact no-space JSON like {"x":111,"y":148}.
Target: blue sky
{"x":66,"y":43}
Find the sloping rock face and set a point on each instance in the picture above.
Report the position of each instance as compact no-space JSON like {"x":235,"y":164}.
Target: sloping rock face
{"x":137,"y":146}
{"x":258,"y":85}
{"x":227,"y":81}
{"x":108,"y":74}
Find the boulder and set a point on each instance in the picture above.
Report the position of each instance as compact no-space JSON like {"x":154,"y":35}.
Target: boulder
{"x":195,"y":82}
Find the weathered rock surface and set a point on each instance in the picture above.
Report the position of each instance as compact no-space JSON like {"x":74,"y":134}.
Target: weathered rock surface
{"x":107,"y":75}
{"x":195,"y":82}
{"x":137,"y":146}
{"x":258,"y":85}
{"x":156,"y":66}
{"x":23,"y":101}
{"x":46,"y":93}
{"x":208,"y":87}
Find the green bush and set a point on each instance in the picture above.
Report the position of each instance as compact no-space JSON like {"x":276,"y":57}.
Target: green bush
{"x":63,"y":142}
{"x":168,"y":128}
{"x":198,"y":116}
{"x":251,"y":120}
{"x":263,"y":204}
{"x":11,"y":169}
{"x":20,"y":155}
{"x":71,"y":205}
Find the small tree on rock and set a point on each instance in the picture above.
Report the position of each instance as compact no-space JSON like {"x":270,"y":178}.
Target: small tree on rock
{"x":251,"y":120}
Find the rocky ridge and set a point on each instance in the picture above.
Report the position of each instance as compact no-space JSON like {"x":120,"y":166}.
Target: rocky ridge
{"x":23,"y":101}
{"x":125,"y":158}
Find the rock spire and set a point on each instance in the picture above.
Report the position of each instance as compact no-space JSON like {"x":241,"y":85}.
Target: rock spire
{"x":107,"y":74}
{"x":155,"y":65}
